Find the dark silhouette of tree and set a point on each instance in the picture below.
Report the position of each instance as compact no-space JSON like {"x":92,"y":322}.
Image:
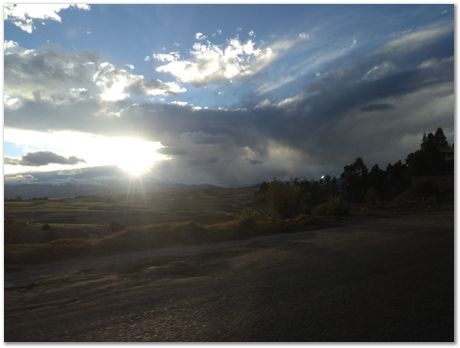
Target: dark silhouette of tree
{"x":287,"y":199}
{"x":397,"y":179}
{"x":354,"y":180}
{"x":440,"y":140}
{"x":433,"y":157}
{"x":377,"y":179}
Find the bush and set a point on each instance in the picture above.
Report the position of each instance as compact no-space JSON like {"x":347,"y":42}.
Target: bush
{"x":320,"y":210}
{"x":248,"y":217}
{"x":338,"y":206}
{"x":426,"y":189}
{"x":334,"y":206}
{"x":372,"y":196}
{"x":284,"y":199}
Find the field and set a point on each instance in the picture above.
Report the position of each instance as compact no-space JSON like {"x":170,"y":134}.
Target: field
{"x":43,"y":230}
{"x":202,"y":271}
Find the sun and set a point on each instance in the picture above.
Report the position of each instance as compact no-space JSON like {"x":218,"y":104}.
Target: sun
{"x":135,"y":157}
{"x":134,"y":167}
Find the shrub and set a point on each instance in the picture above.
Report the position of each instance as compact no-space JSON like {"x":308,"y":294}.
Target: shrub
{"x":249,"y":217}
{"x":284,"y":199}
{"x":426,"y":189}
{"x":320,"y":209}
{"x":334,"y":206}
{"x":338,"y":206}
{"x":372,"y":196}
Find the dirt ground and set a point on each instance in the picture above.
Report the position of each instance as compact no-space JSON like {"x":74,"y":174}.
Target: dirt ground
{"x":391,"y":279}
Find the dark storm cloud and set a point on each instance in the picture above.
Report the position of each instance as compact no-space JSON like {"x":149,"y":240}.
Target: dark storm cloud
{"x":42,"y":158}
{"x":172,"y":151}
{"x":253,"y":161}
{"x":204,"y":161}
{"x":376,"y":107}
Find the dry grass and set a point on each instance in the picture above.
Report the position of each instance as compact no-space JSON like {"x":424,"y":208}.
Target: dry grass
{"x":81,"y":225}
{"x":136,"y":239}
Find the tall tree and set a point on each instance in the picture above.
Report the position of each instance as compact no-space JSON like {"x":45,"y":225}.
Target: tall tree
{"x":354,"y":180}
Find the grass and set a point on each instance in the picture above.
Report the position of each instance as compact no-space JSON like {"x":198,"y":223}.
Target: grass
{"x":89,"y":226}
{"x":143,"y":238}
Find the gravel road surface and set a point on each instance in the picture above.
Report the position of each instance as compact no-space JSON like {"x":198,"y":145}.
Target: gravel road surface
{"x":391,"y":279}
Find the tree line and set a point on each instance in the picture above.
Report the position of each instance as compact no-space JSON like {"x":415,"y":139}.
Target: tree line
{"x":358,"y":184}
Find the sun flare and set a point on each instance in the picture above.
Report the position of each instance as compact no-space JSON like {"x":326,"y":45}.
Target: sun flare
{"x":134,"y":156}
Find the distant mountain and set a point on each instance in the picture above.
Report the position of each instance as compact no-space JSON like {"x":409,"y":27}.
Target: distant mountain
{"x":34,"y":190}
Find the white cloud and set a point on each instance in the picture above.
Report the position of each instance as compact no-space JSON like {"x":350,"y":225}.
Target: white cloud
{"x":289,"y":102}
{"x":252,"y":33}
{"x":264,"y":104}
{"x":130,"y":66}
{"x":303,"y":36}
{"x":78,"y":93}
{"x":9,"y":44}
{"x":49,"y":75}
{"x":11,"y":102}
{"x":24,"y":15}
{"x":111,"y":82}
{"x":200,"y":36}
{"x":147,"y":59}
{"x":180,"y":103}
{"x":309,"y":64}
{"x":209,"y":63}
{"x":117,"y":84}
{"x":379,"y":71}
{"x":434,"y":62}
{"x":283,"y":104}
{"x":166,"y":57}
{"x":415,"y":40}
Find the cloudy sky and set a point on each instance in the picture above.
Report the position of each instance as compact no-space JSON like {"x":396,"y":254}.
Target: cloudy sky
{"x":220,"y":94}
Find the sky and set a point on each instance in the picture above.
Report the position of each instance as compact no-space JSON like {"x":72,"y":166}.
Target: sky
{"x":220,"y":94}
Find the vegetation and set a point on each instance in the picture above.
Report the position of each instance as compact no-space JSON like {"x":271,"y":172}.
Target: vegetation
{"x":49,"y":230}
{"x":358,"y":185}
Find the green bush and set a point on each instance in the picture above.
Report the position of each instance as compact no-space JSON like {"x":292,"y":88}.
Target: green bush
{"x":249,"y":217}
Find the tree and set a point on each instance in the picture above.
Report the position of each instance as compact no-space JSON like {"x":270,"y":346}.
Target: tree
{"x":354,"y":180}
{"x":440,"y":140}
{"x":377,"y":178}
{"x":397,"y":179}
{"x":431,"y":158}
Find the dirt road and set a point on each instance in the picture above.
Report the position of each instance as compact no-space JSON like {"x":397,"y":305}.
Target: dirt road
{"x":386,"y":280}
